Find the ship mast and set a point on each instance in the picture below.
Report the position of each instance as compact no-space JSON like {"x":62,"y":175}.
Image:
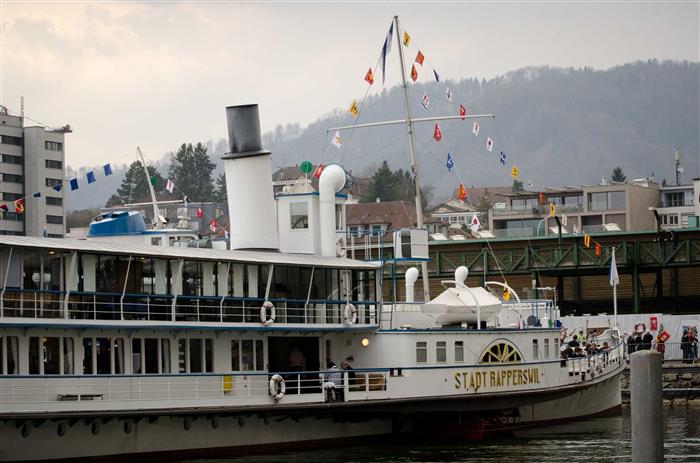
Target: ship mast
{"x":412,"y":149}
{"x":156,"y":212}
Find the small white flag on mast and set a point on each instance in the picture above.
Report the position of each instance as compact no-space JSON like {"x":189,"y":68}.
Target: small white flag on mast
{"x":337,"y":142}
{"x":170,"y":186}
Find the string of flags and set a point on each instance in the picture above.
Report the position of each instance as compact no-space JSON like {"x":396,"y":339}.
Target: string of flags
{"x":419,"y":62}
{"x":19,"y":204}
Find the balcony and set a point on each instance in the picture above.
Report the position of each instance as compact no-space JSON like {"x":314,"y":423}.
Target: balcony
{"x":682,"y":203}
{"x":539,"y":211}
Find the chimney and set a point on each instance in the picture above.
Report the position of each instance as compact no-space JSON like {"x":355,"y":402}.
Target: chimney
{"x":251,"y":206}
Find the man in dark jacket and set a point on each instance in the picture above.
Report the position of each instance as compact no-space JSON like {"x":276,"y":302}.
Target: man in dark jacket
{"x":631,"y":345}
{"x":647,"y":339}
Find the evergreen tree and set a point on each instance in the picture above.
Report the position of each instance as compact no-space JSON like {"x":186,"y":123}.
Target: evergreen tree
{"x":191,"y":170}
{"x":618,"y":175}
{"x":517,"y":186}
{"x":134,"y":187}
{"x":385,"y":185}
{"x":220,"y":195}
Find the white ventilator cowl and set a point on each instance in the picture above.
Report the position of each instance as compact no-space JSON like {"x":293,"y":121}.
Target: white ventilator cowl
{"x":411,"y":277}
{"x":332,"y":180}
{"x":461,"y":274}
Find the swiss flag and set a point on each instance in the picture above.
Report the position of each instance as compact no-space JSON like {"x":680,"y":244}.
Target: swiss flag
{"x":199,"y":213}
{"x":462,"y":112}
{"x":319,"y":169}
{"x":437,"y":134}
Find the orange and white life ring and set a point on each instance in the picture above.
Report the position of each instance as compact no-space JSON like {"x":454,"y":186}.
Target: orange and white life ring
{"x":640,"y":328}
{"x":264,"y":319}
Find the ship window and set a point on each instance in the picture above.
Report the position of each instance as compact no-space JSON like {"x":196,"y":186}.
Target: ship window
{"x":68,"y":356}
{"x":535,"y":349}
{"x":165,"y":355}
{"x":52,"y":356}
{"x":259,"y":357}
{"x":156,"y":241}
{"x":34,"y":355}
{"x":501,"y":351}
{"x":299,"y":216}
{"x":235,"y":356}
{"x":459,"y":351}
{"x":196,"y":355}
{"x":246,"y":355}
{"x":556,"y":346}
{"x":144,"y":355}
{"x":546,"y":348}
{"x":103,"y":350}
{"x":9,"y":355}
{"x":421,"y":352}
{"x":441,"y":352}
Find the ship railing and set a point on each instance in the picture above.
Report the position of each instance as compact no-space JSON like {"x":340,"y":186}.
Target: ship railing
{"x":246,"y":388}
{"x":116,"y":306}
{"x":593,"y":365}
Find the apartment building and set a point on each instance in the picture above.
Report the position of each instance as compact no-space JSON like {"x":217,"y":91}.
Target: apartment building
{"x":679,"y":206}
{"x":32,"y":161}
{"x":591,"y":209}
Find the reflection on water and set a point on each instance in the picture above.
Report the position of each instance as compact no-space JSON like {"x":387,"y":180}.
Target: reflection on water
{"x":596,"y":440}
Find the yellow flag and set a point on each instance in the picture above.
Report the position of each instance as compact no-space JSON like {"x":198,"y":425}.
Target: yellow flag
{"x":514,"y":172}
{"x":353,"y":109}
{"x":406,"y":39}
{"x":552,"y":210}
{"x":587,"y":240}
{"x":506,"y":294}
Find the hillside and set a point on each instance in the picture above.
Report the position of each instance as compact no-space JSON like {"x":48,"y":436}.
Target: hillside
{"x":560,"y":126}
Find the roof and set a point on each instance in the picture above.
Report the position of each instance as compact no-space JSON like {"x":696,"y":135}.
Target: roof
{"x":397,"y":214}
{"x":269,"y":257}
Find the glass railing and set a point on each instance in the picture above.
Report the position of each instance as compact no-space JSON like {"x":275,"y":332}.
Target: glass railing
{"x":541,"y":210}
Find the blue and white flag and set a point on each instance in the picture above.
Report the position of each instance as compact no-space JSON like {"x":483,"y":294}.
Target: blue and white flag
{"x":437,"y":76}
{"x":386,"y":49}
{"x":73,"y":184}
{"x":503,"y":158}
{"x":450,"y":162}
{"x":90,"y":177}
{"x":108,"y":169}
{"x":425,"y":102}
{"x":614,"y":277}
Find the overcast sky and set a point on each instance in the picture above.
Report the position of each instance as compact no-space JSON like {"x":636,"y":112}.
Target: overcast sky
{"x":156,"y":74}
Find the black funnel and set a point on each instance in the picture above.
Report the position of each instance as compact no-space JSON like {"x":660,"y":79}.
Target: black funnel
{"x":243,"y":132}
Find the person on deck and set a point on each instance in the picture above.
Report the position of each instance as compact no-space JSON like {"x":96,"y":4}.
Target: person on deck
{"x":631,"y":344}
{"x":347,"y":366}
{"x":647,"y":339}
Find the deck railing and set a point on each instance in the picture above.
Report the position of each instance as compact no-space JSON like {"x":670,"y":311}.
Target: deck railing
{"x":113,"y":306}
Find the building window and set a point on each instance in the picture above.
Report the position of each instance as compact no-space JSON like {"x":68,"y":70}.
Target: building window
{"x":12,"y":178}
{"x":12,"y":216}
{"x":51,"y":164}
{"x":459,"y":351}
{"x":606,"y":200}
{"x":421,"y":352}
{"x":672,"y":199}
{"x":53,"y":182}
{"x":56,"y":219}
{"x":441,"y":352}
{"x":51,"y":201}
{"x":10,"y":140}
{"x":9,"y":159}
{"x":616,"y":200}
{"x":353,"y":230}
{"x":376,"y":229}
{"x":11,"y":196}
{"x":299,"y":213}
{"x":53,"y":146}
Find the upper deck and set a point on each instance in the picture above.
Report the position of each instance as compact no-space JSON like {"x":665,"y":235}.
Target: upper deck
{"x":88,"y":280}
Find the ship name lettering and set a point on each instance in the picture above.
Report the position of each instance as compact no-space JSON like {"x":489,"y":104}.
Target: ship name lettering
{"x":477,"y":379}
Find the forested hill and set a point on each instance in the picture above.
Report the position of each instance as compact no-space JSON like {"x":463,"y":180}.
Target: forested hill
{"x":559,"y":126}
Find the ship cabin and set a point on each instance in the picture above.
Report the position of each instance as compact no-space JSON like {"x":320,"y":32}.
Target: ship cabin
{"x":84,"y":307}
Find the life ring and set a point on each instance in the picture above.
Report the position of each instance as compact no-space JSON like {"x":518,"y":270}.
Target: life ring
{"x":277,"y":387}
{"x":640,"y":328}
{"x":349,"y":314}
{"x":263,"y":313}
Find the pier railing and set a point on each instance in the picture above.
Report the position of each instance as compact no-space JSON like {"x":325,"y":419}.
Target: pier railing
{"x":673,"y":351}
{"x":114,"y":306}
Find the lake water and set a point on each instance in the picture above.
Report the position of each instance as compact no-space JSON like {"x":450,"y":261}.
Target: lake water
{"x":595,"y":440}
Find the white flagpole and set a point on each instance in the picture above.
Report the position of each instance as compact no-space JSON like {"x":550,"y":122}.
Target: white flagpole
{"x":614,"y":262}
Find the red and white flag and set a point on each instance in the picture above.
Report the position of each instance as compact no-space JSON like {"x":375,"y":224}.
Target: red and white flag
{"x":319,"y":169}
{"x":437,"y":134}
{"x":474,"y":225}
{"x":414,"y":73}
{"x":475,"y":129}
{"x":199,"y":213}
{"x":448,"y":95}
{"x":489,"y":144}
{"x":369,"y":77}
{"x":212,"y":225}
{"x":462,"y":112}
{"x":170,"y":186}
{"x":425,"y":101}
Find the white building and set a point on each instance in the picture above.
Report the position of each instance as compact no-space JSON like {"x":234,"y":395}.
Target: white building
{"x":678,"y":204}
{"x":32,"y":161}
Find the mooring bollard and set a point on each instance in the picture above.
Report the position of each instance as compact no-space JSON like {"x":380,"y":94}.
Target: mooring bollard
{"x":646,"y":413}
